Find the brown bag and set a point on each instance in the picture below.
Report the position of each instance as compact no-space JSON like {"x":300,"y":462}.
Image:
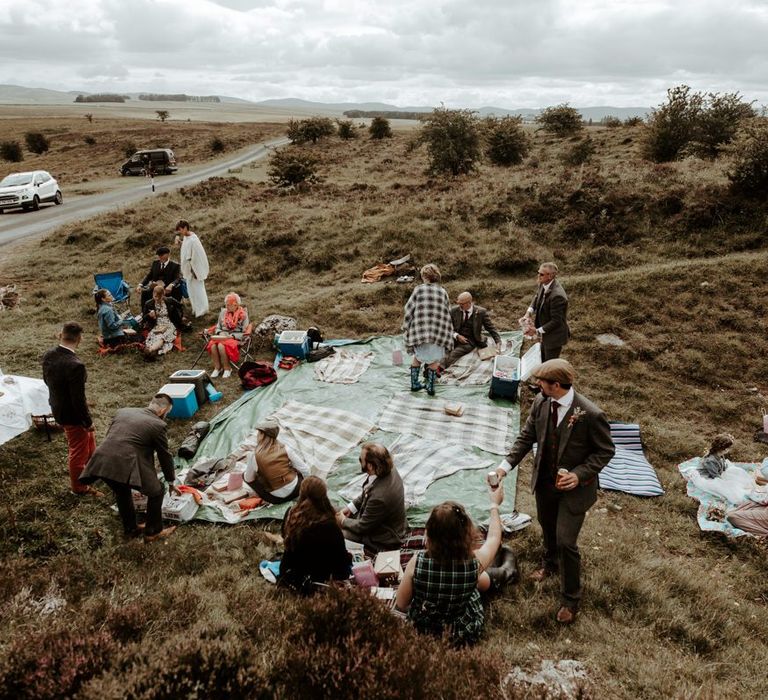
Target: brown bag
{"x":387,"y":566}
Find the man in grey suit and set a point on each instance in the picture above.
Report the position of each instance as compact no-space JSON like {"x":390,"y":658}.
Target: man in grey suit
{"x":125,"y":461}
{"x":376,"y":518}
{"x":573,"y":444}
{"x":469,"y":320}
{"x":548,"y":312}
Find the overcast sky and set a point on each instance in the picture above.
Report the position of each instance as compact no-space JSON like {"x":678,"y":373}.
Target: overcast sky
{"x":509,"y":53}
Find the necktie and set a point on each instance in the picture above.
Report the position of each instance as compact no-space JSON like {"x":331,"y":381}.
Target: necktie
{"x":466,"y":316}
{"x":555,"y":406}
{"x":162,"y":267}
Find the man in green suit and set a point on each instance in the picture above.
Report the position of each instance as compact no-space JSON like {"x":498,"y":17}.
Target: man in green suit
{"x":574,"y":443}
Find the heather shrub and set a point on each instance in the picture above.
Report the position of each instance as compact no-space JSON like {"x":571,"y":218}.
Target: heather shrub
{"x":36,"y":142}
{"x":718,"y":123}
{"x":579,"y":153}
{"x":217,"y":145}
{"x":748,"y":173}
{"x":346,"y":129}
{"x":506,"y":142}
{"x":11,"y":151}
{"x":561,"y":120}
{"x":633,"y":121}
{"x":90,"y":140}
{"x":312,"y":129}
{"x":452,"y":138}
{"x":289,"y":167}
{"x":379,"y":128}
{"x":129,"y":148}
{"x":610,"y":121}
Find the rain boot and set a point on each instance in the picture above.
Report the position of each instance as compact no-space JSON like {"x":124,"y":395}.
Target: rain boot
{"x":431,"y":374}
{"x":504,"y":569}
{"x":416,"y":385}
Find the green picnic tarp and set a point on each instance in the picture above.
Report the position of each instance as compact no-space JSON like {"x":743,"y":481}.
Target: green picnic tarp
{"x":367,"y":398}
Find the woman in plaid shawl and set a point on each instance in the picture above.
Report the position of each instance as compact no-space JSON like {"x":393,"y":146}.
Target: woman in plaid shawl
{"x":427,"y":327}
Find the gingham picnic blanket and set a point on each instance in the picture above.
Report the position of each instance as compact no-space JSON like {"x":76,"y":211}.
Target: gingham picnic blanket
{"x":470,"y":369}
{"x":420,"y":462}
{"x":483,"y":426}
{"x":319,"y":434}
{"x":343,"y":367}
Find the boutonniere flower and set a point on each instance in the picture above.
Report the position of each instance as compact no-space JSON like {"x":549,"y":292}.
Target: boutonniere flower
{"x":576,"y":416}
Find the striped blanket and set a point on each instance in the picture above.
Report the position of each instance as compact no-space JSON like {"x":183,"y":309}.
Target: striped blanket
{"x":343,"y":367}
{"x":483,"y":426}
{"x":471,"y":370}
{"x":421,"y":462}
{"x":629,"y":471}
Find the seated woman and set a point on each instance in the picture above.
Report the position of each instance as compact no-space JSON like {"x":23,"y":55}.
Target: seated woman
{"x":112,"y":328}
{"x":224,"y":345}
{"x":441,"y":586}
{"x":714,"y":463}
{"x":162,"y":318}
{"x":274,"y":471}
{"x":314,"y":545}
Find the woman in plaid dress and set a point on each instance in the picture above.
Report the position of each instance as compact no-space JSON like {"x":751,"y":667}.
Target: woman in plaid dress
{"x":427,"y":327}
{"x":441,"y":586}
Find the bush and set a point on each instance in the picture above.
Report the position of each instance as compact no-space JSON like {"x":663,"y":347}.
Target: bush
{"x":312,"y":129}
{"x":379,"y":128}
{"x":90,"y":140}
{"x":346,"y":129}
{"x":453,"y":140}
{"x":633,"y":121}
{"x":718,"y":123}
{"x":11,"y":151}
{"x":610,"y":121}
{"x":129,"y":148}
{"x":217,"y":145}
{"x":561,"y":120}
{"x":162,"y":114}
{"x":289,"y":167}
{"x":36,"y":142}
{"x":506,"y":142}
{"x":579,"y":153}
{"x":749,"y":170}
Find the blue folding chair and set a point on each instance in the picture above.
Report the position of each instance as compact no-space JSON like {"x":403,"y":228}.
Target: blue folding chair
{"x":117,"y":287}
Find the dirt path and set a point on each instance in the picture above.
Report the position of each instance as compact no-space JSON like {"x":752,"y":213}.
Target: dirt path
{"x":16,"y":225}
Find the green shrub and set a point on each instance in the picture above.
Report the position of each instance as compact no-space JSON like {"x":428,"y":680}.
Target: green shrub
{"x":11,"y":151}
{"x":561,"y":120}
{"x":506,"y":142}
{"x":718,"y":123}
{"x":217,"y":145}
{"x":452,"y":137}
{"x":579,"y":153}
{"x":610,"y":121}
{"x":346,"y":129}
{"x":312,"y":129}
{"x":129,"y":148}
{"x":749,"y":169}
{"x":36,"y":142}
{"x":634,"y":121}
{"x":289,"y":167}
{"x":379,"y":128}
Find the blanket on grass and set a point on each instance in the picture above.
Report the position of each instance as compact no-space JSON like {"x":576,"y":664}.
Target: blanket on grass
{"x":629,"y":471}
{"x":471,"y":370}
{"x":343,"y":367}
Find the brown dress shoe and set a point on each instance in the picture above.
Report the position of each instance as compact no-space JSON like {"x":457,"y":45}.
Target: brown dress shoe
{"x":566,"y":615}
{"x":90,"y":491}
{"x":167,"y":532}
{"x":539,"y":575}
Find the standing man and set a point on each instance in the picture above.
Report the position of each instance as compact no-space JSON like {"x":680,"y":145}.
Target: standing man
{"x":574,"y":444}
{"x":194,"y":267}
{"x":165,"y":271}
{"x":469,"y":320}
{"x":376,"y":518}
{"x":548,"y":312}
{"x":65,"y":375}
{"x":125,"y":461}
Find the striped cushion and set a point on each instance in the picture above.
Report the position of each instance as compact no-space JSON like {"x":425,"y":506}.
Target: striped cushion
{"x":629,"y":471}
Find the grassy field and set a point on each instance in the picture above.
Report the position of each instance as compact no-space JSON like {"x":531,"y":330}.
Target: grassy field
{"x":662,"y":256}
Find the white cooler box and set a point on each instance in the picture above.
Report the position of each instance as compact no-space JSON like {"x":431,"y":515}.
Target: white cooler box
{"x":509,"y":371}
{"x":178,"y":508}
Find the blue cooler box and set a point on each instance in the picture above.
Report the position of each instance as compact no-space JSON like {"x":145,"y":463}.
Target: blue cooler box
{"x":184,"y":400}
{"x":294,"y":343}
{"x":509,"y":371}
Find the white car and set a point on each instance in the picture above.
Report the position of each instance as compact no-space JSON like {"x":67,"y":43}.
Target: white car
{"x":28,"y":190}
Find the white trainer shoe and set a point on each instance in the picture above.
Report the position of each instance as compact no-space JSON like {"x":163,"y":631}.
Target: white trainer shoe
{"x":214,"y":374}
{"x":227,"y":374}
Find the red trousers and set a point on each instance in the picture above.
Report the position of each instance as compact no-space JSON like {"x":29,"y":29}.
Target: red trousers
{"x":82,"y":444}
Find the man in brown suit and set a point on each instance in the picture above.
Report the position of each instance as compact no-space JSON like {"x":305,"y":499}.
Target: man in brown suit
{"x":574,"y":444}
{"x":548,"y":312}
{"x":125,"y":461}
{"x":469,"y":320}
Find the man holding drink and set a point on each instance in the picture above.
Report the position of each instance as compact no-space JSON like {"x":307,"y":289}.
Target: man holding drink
{"x":574,"y":444}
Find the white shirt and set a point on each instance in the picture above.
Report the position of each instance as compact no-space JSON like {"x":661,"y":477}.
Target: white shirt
{"x":351,"y":505}
{"x":564,"y":405}
{"x":66,"y":348}
{"x":252,"y":466}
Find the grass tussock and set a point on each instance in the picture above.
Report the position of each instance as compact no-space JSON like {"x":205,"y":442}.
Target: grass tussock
{"x":660,"y":255}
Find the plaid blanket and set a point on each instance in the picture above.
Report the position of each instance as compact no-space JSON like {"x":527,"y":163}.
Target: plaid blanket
{"x":319,"y":434}
{"x":483,"y":426}
{"x":343,"y":367}
{"x":420,"y":462}
{"x":471,"y":370}
{"x":427,"y":318}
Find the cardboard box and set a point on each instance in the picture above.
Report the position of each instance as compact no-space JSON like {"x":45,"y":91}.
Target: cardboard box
{"x":387,"y":566}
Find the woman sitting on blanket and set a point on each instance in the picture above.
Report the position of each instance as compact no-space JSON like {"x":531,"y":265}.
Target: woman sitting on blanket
{"x":441,"y":586}
{"x":714,"y":463}
{"x":314,"y":545}
{"x":162,"y":318}
{"x":427,"y":327}
{"x":112,"y":328}
{"x":274,"y":471}
{"x":224,"y":345}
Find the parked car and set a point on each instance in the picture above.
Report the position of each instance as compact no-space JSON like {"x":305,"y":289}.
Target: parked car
{"x":28,"y":190}
{"x":162,"y":161}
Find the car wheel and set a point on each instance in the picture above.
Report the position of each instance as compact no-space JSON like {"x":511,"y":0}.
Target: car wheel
{"x":35,"y":203}
{"x":58,"y":199}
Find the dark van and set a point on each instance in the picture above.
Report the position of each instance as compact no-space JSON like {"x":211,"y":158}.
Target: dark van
{"x":162,"y":160}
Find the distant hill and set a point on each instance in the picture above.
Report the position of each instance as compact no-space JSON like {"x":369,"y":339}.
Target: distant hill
{"x":19,"y":95}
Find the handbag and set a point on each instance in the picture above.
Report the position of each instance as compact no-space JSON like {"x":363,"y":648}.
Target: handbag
{"x":320,"y":353}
